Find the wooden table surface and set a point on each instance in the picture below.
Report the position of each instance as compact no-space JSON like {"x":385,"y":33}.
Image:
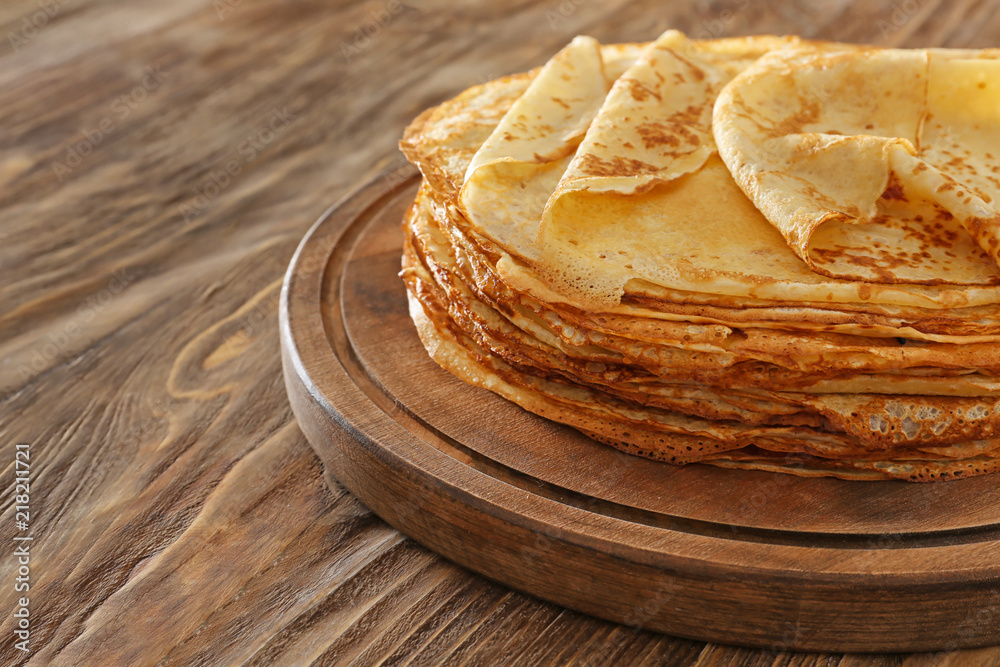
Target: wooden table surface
{"x":159,"y":162}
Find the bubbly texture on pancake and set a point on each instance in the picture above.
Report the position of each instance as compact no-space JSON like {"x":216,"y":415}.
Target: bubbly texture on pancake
{"x":758,"y":252}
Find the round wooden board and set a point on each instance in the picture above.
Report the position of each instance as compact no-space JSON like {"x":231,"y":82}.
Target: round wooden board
{"x":728,"y":556}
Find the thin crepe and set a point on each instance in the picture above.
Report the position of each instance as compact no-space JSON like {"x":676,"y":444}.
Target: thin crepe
{"x":876,"y":165}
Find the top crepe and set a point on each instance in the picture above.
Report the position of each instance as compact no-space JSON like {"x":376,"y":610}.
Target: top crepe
{"x":864,"y":198}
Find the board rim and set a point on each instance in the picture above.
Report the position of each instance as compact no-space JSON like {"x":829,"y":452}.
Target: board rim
{"x":337,"y":416}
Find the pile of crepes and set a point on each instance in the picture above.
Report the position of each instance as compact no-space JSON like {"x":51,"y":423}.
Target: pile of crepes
{"x":756,"y":253}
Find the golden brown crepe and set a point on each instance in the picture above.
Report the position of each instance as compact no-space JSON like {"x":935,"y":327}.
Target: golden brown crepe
{"x":875,"y":165}
{"x":640,"y":242}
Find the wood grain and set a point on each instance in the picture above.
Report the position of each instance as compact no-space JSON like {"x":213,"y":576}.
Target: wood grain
{"x":178,"y":514}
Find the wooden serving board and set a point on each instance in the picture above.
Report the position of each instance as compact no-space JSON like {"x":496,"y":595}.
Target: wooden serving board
{"x":727,"y":556}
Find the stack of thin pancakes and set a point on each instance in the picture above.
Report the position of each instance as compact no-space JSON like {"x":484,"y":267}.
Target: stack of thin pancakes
{"x":756,"y":253}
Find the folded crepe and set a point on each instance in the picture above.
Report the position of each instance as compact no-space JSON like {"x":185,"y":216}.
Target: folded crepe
{"x":757,"y":252}
{"x":880,"y":165}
